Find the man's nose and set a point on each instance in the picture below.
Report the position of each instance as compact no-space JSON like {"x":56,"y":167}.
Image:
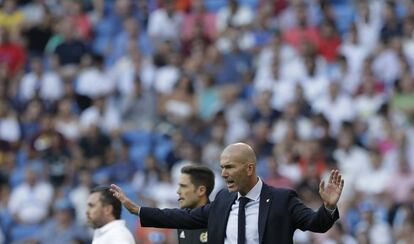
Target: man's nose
{"x":224,"y":173}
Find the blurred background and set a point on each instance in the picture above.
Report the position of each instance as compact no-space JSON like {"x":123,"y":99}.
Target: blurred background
{"x":128,"y":91}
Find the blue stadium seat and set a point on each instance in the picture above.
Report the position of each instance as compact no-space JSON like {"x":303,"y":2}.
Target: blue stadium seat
{"x":138,"y":136}
{"x":162,"y":146}
{"x":21,"y":232}
{"x":138,"y":153}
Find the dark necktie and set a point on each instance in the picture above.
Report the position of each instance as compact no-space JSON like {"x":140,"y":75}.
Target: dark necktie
{"x":241,"y":233}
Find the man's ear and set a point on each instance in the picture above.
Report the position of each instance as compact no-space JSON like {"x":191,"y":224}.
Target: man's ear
{"x":108,"y":209}
{"x":250,"y":169}
{"x":202,"y":190}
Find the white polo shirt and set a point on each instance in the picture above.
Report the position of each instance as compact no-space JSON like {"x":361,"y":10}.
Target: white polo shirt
{"x":113,"y":232}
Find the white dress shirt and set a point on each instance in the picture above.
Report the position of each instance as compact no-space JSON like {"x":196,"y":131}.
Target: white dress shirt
{"x":9,"y":129}
{"x":113,"y":232}
{"x":94,"y":82}
{"x":50,"y":85}
{"x":252,"y":217}
{"x":31,"y":203}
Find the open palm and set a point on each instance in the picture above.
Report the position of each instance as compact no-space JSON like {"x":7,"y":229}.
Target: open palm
{"x":331,"y":192}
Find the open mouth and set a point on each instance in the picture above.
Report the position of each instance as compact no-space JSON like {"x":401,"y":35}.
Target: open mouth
{"x":230,"y":184}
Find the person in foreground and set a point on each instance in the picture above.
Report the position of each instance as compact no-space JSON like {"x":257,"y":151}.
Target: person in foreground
{"x":103,"y":215}
{"x":248,"y":211}
{"x":194,"y":188}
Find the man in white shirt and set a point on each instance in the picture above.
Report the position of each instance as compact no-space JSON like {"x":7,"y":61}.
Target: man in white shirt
{"x":248,"y":211}
{"x":29,"y":202}
{"x":103,"y":214}
{"x":46,"y":84}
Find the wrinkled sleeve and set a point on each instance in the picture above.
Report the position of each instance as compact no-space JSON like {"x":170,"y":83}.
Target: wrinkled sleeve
{"x":307,"y":219}
{"x":175,"y":218}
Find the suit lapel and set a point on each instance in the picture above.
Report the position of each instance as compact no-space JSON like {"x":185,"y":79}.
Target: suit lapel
{"x":228,"y":203}
{"x":264,"y":205}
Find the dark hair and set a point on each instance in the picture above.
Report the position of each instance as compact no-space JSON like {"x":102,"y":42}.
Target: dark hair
{"x":200,"y":176}
{"x":107,"y":198}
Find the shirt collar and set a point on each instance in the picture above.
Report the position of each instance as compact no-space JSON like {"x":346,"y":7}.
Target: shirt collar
{"x":108,"y":226}
{"x":254,"y":193}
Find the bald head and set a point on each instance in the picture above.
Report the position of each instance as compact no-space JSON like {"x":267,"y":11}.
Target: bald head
{"x":238,"y":167}
{"x":240,"y":152}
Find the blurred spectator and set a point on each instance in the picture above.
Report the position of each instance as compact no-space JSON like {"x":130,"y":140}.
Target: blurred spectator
{"x":29,"y":119}
{"x":402,"y":100}
{"x":291,"y":122}
{"x":401,"y":181}
{"x":132,"y":34}
{"x":30,"y":201}
{"x":263,"y":110}
{"x":282,"y":90}
{"x":62,"y":228}
{"x":322,"y":133}
{"x":209,"y":100}
{"x":296,"y":9}
{"x":71,"y":49}
{"x":93,"y":80}
{"x":353,"y":161}
{"x":12,"y":53}
{"x":260,"y":140}
{"x":67,"y":122}
{"x":9,"y":127}
{"x":354,"y":53}
{"x":329,"y":41}
{"x":94,"y":147}
{"x":368,"y":23}
{"x":164,"y":23}
{"x":77,"y":16}
{"x":198,"y":18}
{"x":131,"y":68}
{"x":211,"y":150}
{"x":392,"y":26}
{"x":148,"y":176}
{"x":369,"y":101}
{"x":38,"y":29}
{"x":315,"y":83}
{"x":274,"y":178}
{"x":178,"y":106}
{"x":336,"y":107}
{"x":11,"y":18}
{"x":78,"y":195}
{"x":235,"y":15}
{"x":122,"y":168}
{"x":374,"y":181}
{"x":40,"y":83}
{"x":103,"y":114}
{"x":34,"y":12}
{"x":303,"y":30}
{"x":138,"y":108}
{"x":167,"y":75}
{"x":404,"y":220}
{"x":372,"y":229}
{"x":337,"y":234}
{"x":387,"y":65}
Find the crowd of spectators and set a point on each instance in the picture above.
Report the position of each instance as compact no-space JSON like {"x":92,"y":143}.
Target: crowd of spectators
{"x":127,"y":91}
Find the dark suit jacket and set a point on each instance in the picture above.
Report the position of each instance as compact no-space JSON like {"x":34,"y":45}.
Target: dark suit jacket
{"x":280,"y":213}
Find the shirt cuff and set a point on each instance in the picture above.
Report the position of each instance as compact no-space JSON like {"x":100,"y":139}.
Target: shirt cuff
{"x":330,"y":211}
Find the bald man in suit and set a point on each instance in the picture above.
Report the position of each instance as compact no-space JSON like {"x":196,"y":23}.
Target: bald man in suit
{"x":248,"y":211}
